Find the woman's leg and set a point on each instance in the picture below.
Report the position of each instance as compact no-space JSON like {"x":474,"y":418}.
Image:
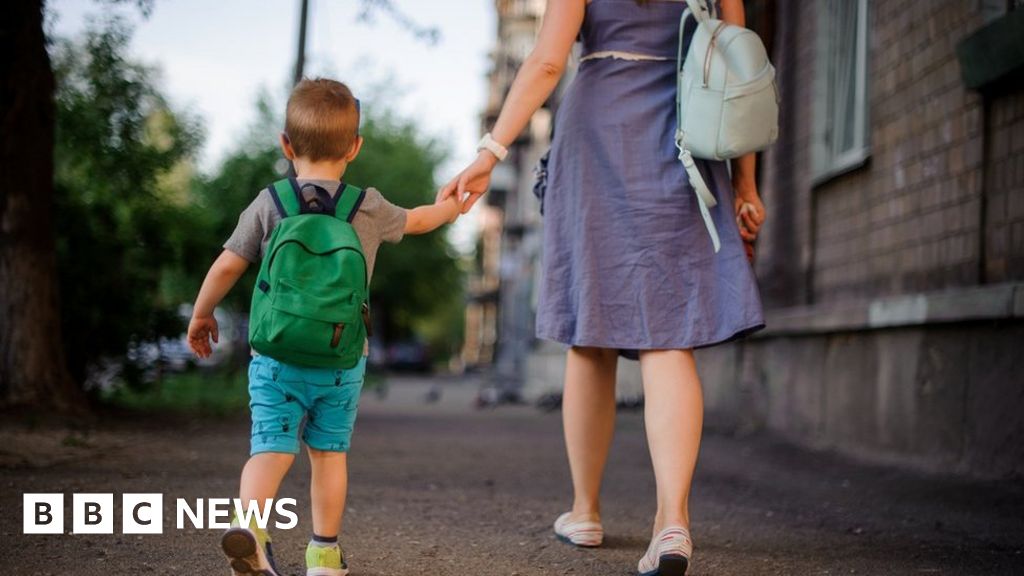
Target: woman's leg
{"x":588,"y":417}
{"x":674,"y":416}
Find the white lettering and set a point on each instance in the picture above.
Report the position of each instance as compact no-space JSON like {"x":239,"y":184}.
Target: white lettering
{"x":218,"y":508}
{"x":195,"y":517}
{"x":245,"y":516}
{"x":280,"y":506}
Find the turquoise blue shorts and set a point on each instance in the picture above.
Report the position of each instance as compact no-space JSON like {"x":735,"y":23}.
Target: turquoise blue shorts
{"x":282,"y":395}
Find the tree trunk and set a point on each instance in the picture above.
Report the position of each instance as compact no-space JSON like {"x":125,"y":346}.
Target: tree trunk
{"x":33,"y":372}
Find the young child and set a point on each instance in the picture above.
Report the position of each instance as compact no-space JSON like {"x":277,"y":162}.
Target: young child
{"x":321,"y":138}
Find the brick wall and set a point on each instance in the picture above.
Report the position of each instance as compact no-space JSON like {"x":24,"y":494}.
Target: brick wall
{"x":784,"y":248}
{"x":928,"y":380}
{"x":1004,"y":189}
{"x":939,"y":203}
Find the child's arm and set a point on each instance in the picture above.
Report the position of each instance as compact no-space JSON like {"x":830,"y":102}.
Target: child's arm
{"x":226,"y":270}
{"x":423,"y":219}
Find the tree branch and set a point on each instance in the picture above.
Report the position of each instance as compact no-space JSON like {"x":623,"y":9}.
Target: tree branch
{"x":429,"y":34}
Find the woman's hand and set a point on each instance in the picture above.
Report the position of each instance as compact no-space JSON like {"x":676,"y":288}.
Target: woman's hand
{"x":469,"y":185}
{"x":535,"y":81}
{"x":750,"y":212}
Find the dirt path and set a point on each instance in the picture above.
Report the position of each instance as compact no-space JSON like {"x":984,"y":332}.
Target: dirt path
{"x":445,"y":490}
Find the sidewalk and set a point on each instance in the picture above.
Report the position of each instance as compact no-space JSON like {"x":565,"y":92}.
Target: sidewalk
{"x":442,"y":489}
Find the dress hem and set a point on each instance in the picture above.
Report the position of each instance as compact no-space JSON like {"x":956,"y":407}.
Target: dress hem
{"x":633,"y":353}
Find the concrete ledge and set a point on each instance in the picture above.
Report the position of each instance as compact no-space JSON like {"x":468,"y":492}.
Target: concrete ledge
{"x":928,"y":381}
{"x":940,"y":395}
{"x":996,"y":302}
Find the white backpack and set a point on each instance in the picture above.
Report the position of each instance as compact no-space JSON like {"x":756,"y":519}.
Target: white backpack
{"x":726,"y":99}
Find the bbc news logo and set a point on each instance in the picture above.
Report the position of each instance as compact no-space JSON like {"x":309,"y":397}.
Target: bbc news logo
{"x":144,"y":513}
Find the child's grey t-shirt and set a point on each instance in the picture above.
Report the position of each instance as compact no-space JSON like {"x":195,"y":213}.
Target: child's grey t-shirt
{"x":376,"y":221}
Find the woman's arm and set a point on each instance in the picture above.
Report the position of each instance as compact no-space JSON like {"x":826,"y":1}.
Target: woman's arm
{"x":744,"y":168}
{"x":533,"y":84}
{"x":542,"y":69}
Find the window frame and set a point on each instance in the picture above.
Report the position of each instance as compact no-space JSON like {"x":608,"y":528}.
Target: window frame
{"x":827,"y":161}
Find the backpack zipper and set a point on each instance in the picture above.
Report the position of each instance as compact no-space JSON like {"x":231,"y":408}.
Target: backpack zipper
{"x":277,"y":249}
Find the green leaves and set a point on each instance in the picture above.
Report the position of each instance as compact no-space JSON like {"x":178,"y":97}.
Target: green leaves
{"x":415,"y":282}
{"x":117,"y":141}
{"x":137,"y":227}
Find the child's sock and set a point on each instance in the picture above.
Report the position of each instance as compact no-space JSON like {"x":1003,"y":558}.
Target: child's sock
{"x":323,"y":541}
{"x":325,"y":553}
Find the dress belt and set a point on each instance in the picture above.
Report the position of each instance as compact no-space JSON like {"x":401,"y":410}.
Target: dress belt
{"x":621,"y":55}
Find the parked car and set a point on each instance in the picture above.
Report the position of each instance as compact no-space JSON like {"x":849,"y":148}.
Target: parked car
{"x":409,"y":355}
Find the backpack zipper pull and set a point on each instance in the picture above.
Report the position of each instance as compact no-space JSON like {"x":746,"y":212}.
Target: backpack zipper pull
{"x":338,"y":328}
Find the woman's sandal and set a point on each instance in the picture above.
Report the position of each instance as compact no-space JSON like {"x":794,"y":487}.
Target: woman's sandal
{"x":668,"y":554}
{"x":585,"y":534}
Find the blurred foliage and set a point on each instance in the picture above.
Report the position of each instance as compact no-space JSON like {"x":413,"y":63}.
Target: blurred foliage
{"x":144,"y":6}
{"x":222,"y":196}
{"x":121,"y":155}
{"x":217,"y":392}
{"x":429,"y":34}
{"x":417,"y":285}
{"x":138,"y":227}
{"x":214,"y":393}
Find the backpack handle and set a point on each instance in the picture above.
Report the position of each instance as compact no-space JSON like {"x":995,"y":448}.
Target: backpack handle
{"x":320,"y":203}
{"x":287,"y":196}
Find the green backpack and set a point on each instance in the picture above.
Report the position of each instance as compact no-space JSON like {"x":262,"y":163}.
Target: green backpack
{"x":310,"y":306}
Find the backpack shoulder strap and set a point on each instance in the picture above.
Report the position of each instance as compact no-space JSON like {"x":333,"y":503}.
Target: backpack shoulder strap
{"x":703,"y":10}
{"x":285,"y":195}
{"x":347,"y":202}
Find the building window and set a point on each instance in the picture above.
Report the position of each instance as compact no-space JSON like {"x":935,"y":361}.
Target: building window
{"x":841,"y":88}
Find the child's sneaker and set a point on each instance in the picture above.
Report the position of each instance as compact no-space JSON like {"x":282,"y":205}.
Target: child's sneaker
{"x":249,"y":552}
{"x":325,"y":560}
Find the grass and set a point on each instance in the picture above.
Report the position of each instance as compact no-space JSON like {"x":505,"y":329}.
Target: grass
{"x":216,"y":393}
{"x":208,"y":392}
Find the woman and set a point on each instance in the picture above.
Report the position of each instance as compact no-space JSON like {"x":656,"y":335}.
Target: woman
{"x":628,"y":266}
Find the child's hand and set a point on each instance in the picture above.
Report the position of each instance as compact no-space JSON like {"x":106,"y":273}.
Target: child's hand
{"x":200,"y":330}
{"x":456,"y":210}
{"x":451,"y":203}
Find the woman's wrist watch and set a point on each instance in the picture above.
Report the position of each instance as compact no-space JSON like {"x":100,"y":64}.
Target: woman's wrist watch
{"x":491,"y":145}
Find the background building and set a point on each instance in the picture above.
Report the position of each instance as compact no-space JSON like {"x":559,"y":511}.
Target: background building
{"x":500,"y":314}
{"x":892,"y":262}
